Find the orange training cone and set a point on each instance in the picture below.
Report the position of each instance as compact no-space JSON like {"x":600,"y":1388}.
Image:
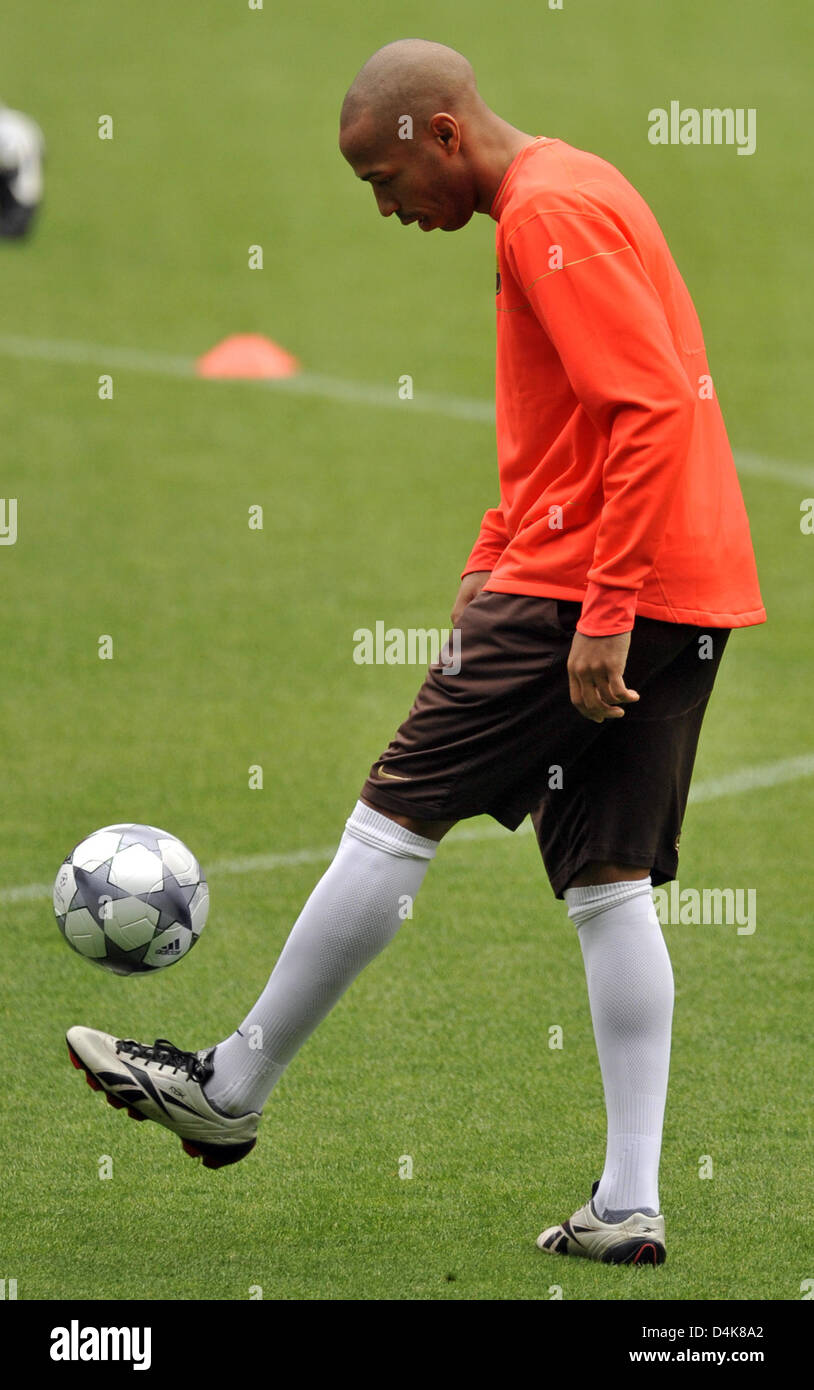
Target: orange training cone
{"x":247,"y":356}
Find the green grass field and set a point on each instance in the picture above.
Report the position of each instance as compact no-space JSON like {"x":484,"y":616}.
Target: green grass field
{"x":233,"y":647}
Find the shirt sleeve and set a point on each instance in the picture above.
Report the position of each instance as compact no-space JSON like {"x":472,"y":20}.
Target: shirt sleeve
{"x":491,"y":543}
{"x":607,"y":323}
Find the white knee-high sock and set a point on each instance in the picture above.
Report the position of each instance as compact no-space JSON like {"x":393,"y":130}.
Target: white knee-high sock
{"x":630,"y":989}
{"x":353,"y":912}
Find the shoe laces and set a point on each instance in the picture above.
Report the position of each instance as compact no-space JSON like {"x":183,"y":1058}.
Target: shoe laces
{"x":166,"y":1054}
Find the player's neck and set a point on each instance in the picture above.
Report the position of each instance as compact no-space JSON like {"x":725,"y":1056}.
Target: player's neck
{"x":501,"y":144}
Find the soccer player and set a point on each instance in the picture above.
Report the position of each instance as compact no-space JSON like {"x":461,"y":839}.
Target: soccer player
{"x":593,"y":614}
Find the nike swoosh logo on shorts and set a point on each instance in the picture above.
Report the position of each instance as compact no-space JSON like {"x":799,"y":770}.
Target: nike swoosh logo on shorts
{"x":394,"y":775}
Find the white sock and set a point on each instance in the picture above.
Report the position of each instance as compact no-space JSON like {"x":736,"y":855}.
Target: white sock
{"x":353,"y":912}
{"x":630,"y":989}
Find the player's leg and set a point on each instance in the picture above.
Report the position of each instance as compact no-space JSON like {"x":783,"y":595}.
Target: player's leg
{"x":596,"y":871}
{"x":359,"y":904}
{"x":427,"y":829}
{"x":477,"y":739}
{"x":619,"y":822}
{"x":213,"y":1098}
{"x":353,"y":912}
{"x":630,"y":992}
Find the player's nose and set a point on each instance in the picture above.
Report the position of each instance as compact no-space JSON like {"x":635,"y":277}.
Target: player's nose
{"x":386,"y":205}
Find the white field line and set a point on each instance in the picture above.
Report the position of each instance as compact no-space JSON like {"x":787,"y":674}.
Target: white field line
{"x":799,"y":475}
{"x":331,"y":388}
{"x":304,"y":384}
{"x":734,"y":784}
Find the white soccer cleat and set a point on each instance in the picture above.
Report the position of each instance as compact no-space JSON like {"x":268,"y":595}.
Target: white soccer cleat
{"x":639,"y":1240}
{"x":157,"y":1081}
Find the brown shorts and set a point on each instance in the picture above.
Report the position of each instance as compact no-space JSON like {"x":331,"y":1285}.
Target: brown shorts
{"x":501,"y":737}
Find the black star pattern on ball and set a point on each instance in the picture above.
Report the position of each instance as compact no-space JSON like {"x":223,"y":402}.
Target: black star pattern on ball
{"x":171,"y":901}
{"x":93,"y":889}
{"x":146,"y":835}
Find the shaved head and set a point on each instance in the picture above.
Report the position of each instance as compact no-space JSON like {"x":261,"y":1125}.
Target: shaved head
{"x":409,"y":77}
{"x":415,"y":127}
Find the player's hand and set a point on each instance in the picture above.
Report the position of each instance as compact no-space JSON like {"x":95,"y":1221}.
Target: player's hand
{"x":596,"y":667}
{"x":471,"y":585}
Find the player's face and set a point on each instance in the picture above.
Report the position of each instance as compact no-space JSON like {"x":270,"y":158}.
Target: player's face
{"x":417,"y":180}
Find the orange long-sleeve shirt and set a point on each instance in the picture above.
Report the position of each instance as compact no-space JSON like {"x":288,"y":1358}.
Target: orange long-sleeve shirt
{"x":617,"y":483}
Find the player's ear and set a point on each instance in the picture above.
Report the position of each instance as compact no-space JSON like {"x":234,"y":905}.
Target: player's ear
{"x":445,"y":129}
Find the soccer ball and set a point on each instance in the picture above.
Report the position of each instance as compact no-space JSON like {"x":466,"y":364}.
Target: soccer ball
{"x":131,"y":898}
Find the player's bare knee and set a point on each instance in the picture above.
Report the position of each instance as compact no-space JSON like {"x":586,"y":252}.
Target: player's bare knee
{"x":429,"y":829}
{"x":599,"y":871}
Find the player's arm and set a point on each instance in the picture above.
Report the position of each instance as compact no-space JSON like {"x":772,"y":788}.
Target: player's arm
{"x":471,"y":585}
{"x":484,"y":555}
{"x":607,"y":323}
